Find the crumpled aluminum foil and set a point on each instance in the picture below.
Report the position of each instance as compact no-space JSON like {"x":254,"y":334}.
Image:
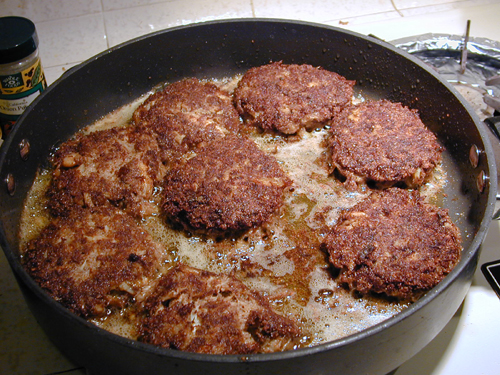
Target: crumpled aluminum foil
{"x":443,"y":53}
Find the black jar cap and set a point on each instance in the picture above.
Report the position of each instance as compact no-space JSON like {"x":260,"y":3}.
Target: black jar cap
{"x":18,"y":39}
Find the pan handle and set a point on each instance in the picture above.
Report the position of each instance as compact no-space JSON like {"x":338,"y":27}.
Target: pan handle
{"x":494,"y":124}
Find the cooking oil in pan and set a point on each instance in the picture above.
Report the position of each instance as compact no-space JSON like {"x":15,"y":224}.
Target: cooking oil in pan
{"x":281,"y":259}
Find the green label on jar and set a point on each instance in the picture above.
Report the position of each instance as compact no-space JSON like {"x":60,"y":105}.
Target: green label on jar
{"x":17,"y":92}
{"x":26,"y":80}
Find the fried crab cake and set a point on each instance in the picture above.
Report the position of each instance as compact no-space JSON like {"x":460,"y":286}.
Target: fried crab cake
{"x":227,"y":186}
{"x":94,"y":260}
{"x":289,"y":97}
{"x":120,"y":166}
{"x":185,"y":114}
{"x":383,"y":143}
{"x":394,"y":243}
{"x":199,"y":311}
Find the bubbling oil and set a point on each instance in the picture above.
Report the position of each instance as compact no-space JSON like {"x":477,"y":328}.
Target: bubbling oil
{"x":282,"y":258}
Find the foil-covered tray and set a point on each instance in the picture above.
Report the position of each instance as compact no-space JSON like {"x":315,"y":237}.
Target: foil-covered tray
{"x":443,"y":52}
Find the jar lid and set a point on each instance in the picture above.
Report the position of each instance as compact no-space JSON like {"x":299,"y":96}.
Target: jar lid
{"x":18,"y":39}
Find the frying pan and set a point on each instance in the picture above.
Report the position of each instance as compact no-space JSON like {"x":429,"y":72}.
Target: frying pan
{"x":220,"y":49}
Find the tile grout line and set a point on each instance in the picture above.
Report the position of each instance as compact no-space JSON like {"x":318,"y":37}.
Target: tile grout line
{"x":104,"y":24}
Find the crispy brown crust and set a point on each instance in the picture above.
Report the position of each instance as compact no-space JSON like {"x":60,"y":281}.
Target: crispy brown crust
{"x":394,"y":243}
{"x":199,"y":311}
{"x":289,"y":97}
{"x":186,"y":114}
{"x":382,"y":142}
{"x":94,"y":260}
{"x":120,"y":166}
{"x":229,"y":185}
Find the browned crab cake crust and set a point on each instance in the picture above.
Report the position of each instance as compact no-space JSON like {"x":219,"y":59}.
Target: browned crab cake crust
{"x":286,"y":98}
{"x":382,"y":142}
{"x":394,"y":243}
{"x":185,"y":114}
{"x":228,"y":186}
{"x":198,"y":311}
{"x":120,"y":166}
{"x":94,"y":260}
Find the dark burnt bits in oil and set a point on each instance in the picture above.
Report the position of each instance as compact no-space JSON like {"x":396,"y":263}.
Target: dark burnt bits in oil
{"x":288,"y":97}
{"x":394,"y":243}
{"x":200,"y":311}
{"x":383,"y":144}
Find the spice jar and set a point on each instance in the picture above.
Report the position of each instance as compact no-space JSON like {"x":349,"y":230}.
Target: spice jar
{"x":21,"y":73}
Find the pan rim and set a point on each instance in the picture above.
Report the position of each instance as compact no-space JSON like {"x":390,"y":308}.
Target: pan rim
{"x":469,"y":254}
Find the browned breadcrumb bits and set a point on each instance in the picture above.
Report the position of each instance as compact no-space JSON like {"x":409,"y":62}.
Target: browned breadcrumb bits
{"x":94,"y":260}
{"x":200,"y":311}
{"x":394,"y":243}
{"x":229,"y":185}
{"x":382,"y":142}
{"x":286,"y":98}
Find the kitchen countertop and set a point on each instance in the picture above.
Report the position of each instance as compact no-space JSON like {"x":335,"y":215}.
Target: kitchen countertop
{"x":72,"y":31}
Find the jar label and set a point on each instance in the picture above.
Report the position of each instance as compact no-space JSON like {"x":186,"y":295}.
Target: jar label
{"x":14,"y":105}
{"x":22,"y":81}
{"x":18,"y":90}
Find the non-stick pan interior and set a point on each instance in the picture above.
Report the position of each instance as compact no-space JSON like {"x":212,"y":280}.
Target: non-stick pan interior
{"x":225,"y":48}
{"x":222,"y":49}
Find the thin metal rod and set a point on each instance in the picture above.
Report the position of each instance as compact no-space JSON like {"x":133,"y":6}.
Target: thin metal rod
{"x":463,"y":56}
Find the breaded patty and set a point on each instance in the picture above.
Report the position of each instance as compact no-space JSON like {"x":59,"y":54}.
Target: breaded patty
{"x":289,"y":97}
{"x":394,"y":243}
{"x":94,"y":260}
{"x":185,"y":114}
{"x":120,"y":166}
{"x":382,"y":142}
{"x":228,"y":186}
{"x":199,"y":311}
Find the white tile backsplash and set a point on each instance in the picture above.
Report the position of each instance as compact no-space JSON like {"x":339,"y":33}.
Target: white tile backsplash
{"x":429,"y":6}
{"x":125,"y":4}
{"x":404,"y":4}
{"x":484,"y":23}
{"x":72,"y":31}
{"x":351,"y":22}
{"x":45,"y":10}
{"x":319,"y":10}
{"x":145,"y":19}
{"x":71,"y":40}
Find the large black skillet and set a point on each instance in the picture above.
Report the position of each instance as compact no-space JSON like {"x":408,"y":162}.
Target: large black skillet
{"x":223,"y":48}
